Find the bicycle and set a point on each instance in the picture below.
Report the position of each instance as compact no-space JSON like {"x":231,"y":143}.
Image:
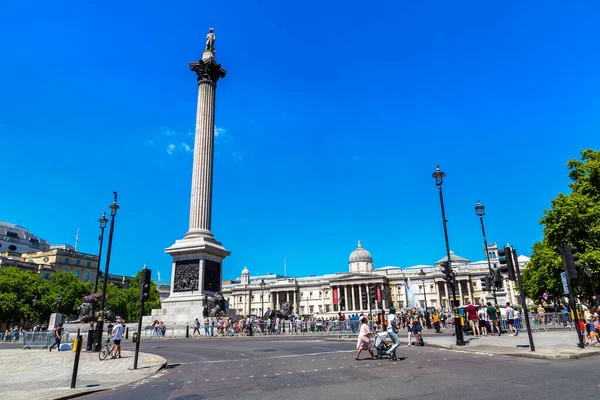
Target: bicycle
{"x":107,"y":348}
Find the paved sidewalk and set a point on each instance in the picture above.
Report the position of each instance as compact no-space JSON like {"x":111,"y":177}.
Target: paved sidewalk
{"x":550,"y":345}
{"x":40,"y":374}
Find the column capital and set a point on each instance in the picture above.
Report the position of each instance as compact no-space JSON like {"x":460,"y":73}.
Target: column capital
{"x":208,"y":70}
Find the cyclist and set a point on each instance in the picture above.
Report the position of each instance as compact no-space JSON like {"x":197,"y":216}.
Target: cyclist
{"x":117,"y":334}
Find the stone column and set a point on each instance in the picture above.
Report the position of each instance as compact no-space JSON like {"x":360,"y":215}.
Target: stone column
{"x":460,"y":292}
{"x":470,"y":291}
{"x":437,"y":294}
{"x":448,"y":302}
{"x":360,"y":297}
{"x":209,"y":72}
{"x":346,"y":297}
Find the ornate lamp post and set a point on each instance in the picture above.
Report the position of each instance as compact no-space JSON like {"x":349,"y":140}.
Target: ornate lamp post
{"x":262,"y":297}
{"x":100,"y":325}
{"x":103,"y":221}
{"x":589,"y":274}
{"x":480,"y":212}
{"x":427,"y":320}
{"x":450,"y":276}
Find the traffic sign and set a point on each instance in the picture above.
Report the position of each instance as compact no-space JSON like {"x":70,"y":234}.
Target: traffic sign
{"x":563,"y":276}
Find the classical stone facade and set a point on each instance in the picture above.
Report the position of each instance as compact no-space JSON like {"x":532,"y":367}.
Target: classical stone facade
{"x":366,"y":290}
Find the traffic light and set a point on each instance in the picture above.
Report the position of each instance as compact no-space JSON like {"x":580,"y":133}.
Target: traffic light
{"x":145,"y":286}
{"x":505,"y":258}
{"x":570,"y":258}
{"x":446,"y":270}
{"x":486,"y":284}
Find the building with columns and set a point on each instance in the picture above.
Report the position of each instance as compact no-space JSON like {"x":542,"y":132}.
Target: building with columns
{"x":365,"y":289}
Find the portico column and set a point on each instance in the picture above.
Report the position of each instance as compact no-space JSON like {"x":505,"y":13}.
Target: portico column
{"x":360,"y":297}
{"x":384,"y":302}
{"x":437,"y":294}
{"x":277,"y":300}
{"x":345,"y":298}
{"x":322,"y":300}
{"x":470,"y":291}
{"x":460,"y":292}
{"x":446,"y":294}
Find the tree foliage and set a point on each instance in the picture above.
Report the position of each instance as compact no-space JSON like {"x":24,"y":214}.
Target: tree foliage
{"x":573,"y":219}
{"x":19,"y":288}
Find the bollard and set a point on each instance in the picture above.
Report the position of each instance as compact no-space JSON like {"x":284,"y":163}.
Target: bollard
{"x":90,"y":342}
{"x":127,"y":333}
{"x":187,"y":331}
{"x":76,"y":363}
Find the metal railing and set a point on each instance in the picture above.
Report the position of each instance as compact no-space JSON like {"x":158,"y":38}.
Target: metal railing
{"x":42,"y":340}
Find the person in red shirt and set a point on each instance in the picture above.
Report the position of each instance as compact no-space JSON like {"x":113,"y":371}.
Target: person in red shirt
{"x":473,"y":318}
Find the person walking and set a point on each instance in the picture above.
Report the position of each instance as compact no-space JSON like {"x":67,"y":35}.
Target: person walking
{"x":392,"y":331}
{"x":196,"y":327}
{"x":364,"y":339}
{"x":416,"y":326}
{"x":57,"y":337}
{"x":117,"y":334}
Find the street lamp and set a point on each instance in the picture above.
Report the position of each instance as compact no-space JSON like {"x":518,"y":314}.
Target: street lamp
{"x":480,"y":212}
{"x":427,"y":320}
{"x":439,"y":180}
{"x":100,"y":325}
{"x":262,"y":297}
{"x":103,"y":221}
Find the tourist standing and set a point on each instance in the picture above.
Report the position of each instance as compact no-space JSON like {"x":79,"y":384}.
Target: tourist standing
{"x":510,"y":320}
{"x":117,"y":333}
{"x":492,"y":314}
{"x":472,"y":317}
{"x":483,"y":320}
{"x":436,"y":321}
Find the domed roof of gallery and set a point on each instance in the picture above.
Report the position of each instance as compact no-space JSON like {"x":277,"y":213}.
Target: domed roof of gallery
{"x":360,"y":255}
{"x":245,"y":271}
{"x":453,"y":258}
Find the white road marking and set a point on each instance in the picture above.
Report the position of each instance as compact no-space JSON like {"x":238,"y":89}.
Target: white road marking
{"x":268,"y":358}
{"x":207,"y":380}
{"x":251,"y":376}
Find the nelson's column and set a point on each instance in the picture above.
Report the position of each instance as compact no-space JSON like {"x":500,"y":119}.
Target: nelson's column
{"x":198,"y":257}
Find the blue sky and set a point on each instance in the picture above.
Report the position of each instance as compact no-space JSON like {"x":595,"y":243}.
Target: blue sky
{"x":331,"y":120}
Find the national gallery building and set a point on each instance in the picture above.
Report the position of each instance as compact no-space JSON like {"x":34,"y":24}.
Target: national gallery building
{"x":364,"y":289}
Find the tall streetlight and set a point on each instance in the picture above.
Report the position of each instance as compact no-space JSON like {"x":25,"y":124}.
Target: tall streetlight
{"x":480,"y":212}
{"x":103,"y":221}
{"x":450,"y":275}
{"x":427,"y":320}
{"x":100,"y":325}
{"x":262,"y":297}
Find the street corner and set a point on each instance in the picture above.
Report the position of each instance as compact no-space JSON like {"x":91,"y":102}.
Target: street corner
{"x":41,"y":374}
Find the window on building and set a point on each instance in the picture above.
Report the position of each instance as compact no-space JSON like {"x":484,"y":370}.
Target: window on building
{"x":320,"y":308}
{"x":77,"y":262}
{"x":240,"y":299}
{"x":65,"y":270}
{"x":401,"y":304}
{"x":422,"y":303}
{"x":311,"y":309}
{"x":326,"y":307}
{"x":76,"y":273}
{"x":420,"y":288}
{"x":87,"y":276}
{"x":12,"y":247}
{"x":46,"y":276}
{"x":67,"y":260}
{"x":88,"y":264}
{"x":12,"y":234}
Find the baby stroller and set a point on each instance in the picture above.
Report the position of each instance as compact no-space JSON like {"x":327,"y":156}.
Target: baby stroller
{"x":380,"y":346}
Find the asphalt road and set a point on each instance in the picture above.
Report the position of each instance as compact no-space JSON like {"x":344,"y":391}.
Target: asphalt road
{"x":309,"y":368}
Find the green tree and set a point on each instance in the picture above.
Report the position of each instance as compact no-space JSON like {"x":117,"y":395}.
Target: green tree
{"x":117,"y":301}
{"x":574,"y":219}
{"x":133,"y":298}
{"x":18,"y":289}
{"x":69,"y":288}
